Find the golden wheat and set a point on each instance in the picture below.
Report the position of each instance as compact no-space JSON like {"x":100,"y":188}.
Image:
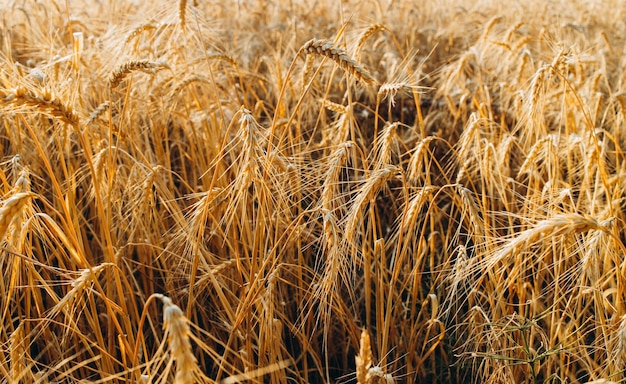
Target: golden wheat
{"x":176,"y":326}
{"x":138,"y":65}
{"x":469,"y":234}
{"x":369,"y":32}
{"x":11,"y":209}
{"x":339,"y":56}
{"x":364,"y":358}
{"x":43,"y":100}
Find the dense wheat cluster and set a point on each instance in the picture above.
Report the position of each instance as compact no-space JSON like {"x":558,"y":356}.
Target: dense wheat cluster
{"x":312,"y":191}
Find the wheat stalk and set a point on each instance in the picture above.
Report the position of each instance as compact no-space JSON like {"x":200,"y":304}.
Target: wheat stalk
{"x":551,"y":228}
{"x":391,"y":90}
{"x":307,"y":71}
{"x":619,"y":345}
{"x":417,"y":161}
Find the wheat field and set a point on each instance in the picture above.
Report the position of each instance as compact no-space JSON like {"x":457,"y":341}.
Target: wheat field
{"x":312,"y":191}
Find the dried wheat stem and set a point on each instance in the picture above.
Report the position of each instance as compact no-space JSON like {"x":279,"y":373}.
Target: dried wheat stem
{"x":554,"y":227}
{"x":22,"y":184}
{"x":390,"y":90}
{"x":222,"y":57}
{"x":619,"y":345}
{"x":538,"y":151}
{"x":521,"y":43}
{"x":307,"y":70}
{"x":417,"y":160}
{"x":509,"y":33}
{"x":470,"y":205}
{"x":326,"y":287}
{"x":189,"y":80}
{"x":489,"y":27}
{"x":415,"y":205}
{"x":536,"y":89}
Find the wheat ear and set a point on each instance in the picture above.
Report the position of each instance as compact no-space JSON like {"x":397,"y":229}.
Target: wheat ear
{"x":177,"y":327}
{"x":339,"y":56}
{"x":331,"y":180}
{"x":367,"y":192}
{"x":11,"y":209}
{"x":618,"y":354}
{"x":20,"y":372}
{"x":138,"y":31}
{"x":366,"y":35}
{"x":103,"y":107}
{"x":364,"y":358}
{"x":43,"y":101}
{"x":182,"y":9}
{"x":136,"y":65}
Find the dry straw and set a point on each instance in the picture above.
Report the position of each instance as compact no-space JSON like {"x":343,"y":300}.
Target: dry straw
{"x":201,"y":198}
